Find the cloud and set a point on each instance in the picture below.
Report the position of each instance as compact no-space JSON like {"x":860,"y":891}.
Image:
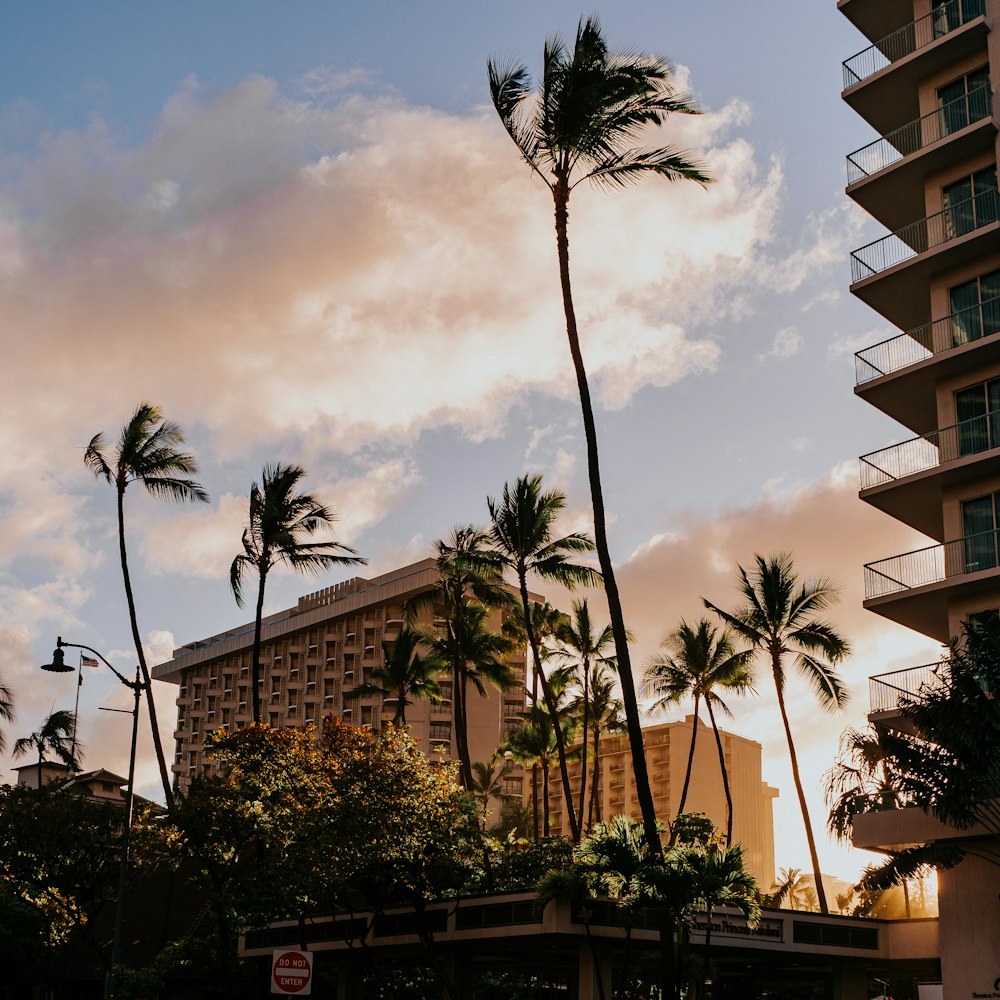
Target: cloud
{"x":786,"y":344}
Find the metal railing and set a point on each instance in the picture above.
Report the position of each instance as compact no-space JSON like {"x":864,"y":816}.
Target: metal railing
{"x":930,"y":450}
{"x":956,"y":220}
{"x":925,"y":341}
{"x":934,"y":564}
{"x":884,"y":690}
{"x":906,"y":40}
{"x":915,"y":135}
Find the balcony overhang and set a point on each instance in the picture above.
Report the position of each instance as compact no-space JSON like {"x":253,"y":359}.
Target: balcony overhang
{"x":891,"y":95}
{"x":925,"y":609}
{"x":895,"y":195}
{"x":876,"y":18}
{"x":897,"y":829}
{"x":891,"y":292}
{"x":908,"y":395}
{"x":916,"y":499}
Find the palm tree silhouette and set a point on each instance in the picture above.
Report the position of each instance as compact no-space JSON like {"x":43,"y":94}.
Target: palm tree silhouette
{"x":523,"y":525}
{"x":606,"y":716}
{"x":699,"y":662}
{"x":55,"y":735}
{"x":146,"y":453}
{"x":778,"y":620}
{"x":282,"y":524}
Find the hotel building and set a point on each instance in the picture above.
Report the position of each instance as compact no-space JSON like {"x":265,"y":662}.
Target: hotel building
{"x":923,"y":82}
{"x":313,"y":653}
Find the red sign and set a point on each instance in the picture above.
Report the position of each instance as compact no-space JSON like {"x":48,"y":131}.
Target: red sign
{"x":291,"y":973}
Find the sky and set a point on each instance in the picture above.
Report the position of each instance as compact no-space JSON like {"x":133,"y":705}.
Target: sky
{"x":301,"y":231}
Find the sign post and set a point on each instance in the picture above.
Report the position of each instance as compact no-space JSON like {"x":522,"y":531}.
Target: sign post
{"x":291,"y":972}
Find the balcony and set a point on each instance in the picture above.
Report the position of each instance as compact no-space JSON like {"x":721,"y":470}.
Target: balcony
{"x":876,"y":18}
{"x":907,"y":480}
{"x":885,"y":272}
{"x":886,"y":690}
{"x":882,"y":80}
{"x":886,"y":177}
{"x":899,"y":375}
{"x":914,"y":588}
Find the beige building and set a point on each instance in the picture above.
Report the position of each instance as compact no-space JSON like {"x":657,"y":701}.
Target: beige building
{"x":311,"y":654}
{"x":924,"y":84}
{"x":667,"y":747}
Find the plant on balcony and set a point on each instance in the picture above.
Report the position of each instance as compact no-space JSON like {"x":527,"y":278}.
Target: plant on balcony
{"x":780,"y":619}
{"x":593,"y":104}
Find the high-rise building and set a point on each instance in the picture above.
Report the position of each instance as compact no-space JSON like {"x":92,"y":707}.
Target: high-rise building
{"x":313,"y":653}
{"x":667,"y":747}
{"x":923,"y":82}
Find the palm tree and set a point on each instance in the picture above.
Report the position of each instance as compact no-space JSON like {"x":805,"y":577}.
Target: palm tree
{"x":523,"y":523}
{"x":578,"y":127}
{"x":487,"y":783}
{"x":147,"y":453}
{"x":56,"y":734}
{"x":606,"y":716}
{"x":699,"y":662}
{"x":585,"y":645}
{"x":6,"y":711}
{"x":405,"y":672}
{"x":779,"y":620}
{"x":282,"y":523}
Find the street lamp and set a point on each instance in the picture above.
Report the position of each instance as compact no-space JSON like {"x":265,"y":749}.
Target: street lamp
{"x":59,"y":666}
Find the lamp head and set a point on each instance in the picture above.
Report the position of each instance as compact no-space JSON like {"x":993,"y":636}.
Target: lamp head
{"x":58,"y":664}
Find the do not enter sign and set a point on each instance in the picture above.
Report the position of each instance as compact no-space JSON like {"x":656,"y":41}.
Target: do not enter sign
{"x":291,"y":973}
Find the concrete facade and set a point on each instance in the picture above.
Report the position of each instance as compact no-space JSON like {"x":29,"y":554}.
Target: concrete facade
{"x":310,"y":655}
{"x":667,"y":747}
{"x":924,"y":83}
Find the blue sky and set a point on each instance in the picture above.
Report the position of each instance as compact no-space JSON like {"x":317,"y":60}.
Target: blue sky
{"x":300,"y":230}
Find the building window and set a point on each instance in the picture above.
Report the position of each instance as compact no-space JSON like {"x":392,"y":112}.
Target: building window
{"x":964,"y":101}
{"x":952,"y":14}
{"x":979,"y":524}
{"x":971,"y":202}
{"x":978,"y":411}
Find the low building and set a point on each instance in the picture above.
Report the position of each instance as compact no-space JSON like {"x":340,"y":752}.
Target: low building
{"x":667,"y":747}
{"x":313,"y":653}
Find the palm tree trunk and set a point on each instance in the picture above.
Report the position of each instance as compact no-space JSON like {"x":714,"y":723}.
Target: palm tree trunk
{"x":594,"y":811}
{"x":545,"y":797}
{"x":459,"y":692}
{"x":41,"y":754}
{"x":550,"y":704}
{"x":642,"y":788}
{"x":583,"y":759}
{"x":690,"y":764}
{"x":725,"y":775}
{"x":161,"y":761}
{"x":534,"y":797}
{"x":813,"y":854}
{"x":255,"y":656}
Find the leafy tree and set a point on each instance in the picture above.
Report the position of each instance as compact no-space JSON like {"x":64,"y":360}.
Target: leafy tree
{"x":586,"y":646}
{"x":487,"y":783}
{"x":780,"y":619}
{"x":700,"y":662}
{"x":793,"y":888}
{"x":282,"y":525}
{"x":523,"y":526}
{"x":147,"y":453}
{"x":606,"y":716}
{"x":56,"y":735}
{"x":405,"y":672}
{"x":580,"y":126}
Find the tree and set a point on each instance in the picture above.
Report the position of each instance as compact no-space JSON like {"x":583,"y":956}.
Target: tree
{"x":586,"y":646}
{"x":699,"y":662}
{"x":606,"y":716}
{"x":487,"y":783}
{"x":779,"y":620}
{"x":591,"y":106}
{"x":282,"y":526}
{"x":405,"y":672}
{"x":523,"y":526}
{"x":798,"y":890}
{"x":147,"y":453}
{"x":56,"y":735}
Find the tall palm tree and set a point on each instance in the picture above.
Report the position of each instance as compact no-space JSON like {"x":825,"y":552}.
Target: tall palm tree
{"x":146,"y":452}
{"x":281,"y":525}
{"x":56,"y":735}
{"x":487,"y":783}
{"x":405,"y":672}
{"x":585,"y":645}
{"x":580,"y":126}
{"x":606,"y":716}
{"x":780,"y":620}
{"x":699,"y":662}
{"x":523,"y":526}
{"x":6,"y":711}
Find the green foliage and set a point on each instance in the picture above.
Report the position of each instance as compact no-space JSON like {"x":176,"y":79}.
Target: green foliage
{"x":516,"y":864}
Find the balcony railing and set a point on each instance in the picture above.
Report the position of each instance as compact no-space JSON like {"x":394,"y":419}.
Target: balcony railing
{"x":885,"y":690}
{"x":931,"y":450}
{"x":906,"y":40}
{"x":934,"y":564}
{"x":925,"y":341}
{"x":949,"y":118}
{"x":957,"y":220}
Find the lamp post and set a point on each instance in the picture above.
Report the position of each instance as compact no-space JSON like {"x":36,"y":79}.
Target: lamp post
{"x":59,"y":666}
